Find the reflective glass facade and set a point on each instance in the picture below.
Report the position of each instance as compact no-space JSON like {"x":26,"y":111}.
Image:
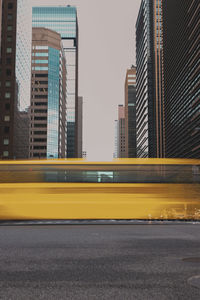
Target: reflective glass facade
{"x":60,"y":19}
{"x":63,"y":19}
{"x":53,"y":104}
{"x":48,"y":105}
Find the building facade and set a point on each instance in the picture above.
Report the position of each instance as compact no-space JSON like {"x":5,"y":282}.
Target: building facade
{"x":181,"y":61}
{"x":80,"y":127}
{"x":0,"y":22}
{"x":115,"y":153}
{"x":149,"y":106}
{"x":121,"y":153}
{"x":15,"y":77}
{"x":84,"y":155}
{"x":130,"y":113}
{"x":48,"y":97}
{"x":63,"y":19}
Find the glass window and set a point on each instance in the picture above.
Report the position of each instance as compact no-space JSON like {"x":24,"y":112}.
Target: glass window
{"x":7,"y":95}
{"x":10,"y":5}
{"x":41,"y":47}
{"x":8,"y":83}
{"x":9,"y":50}
{"x":7,"y":106}
{"x":6,"y":129}
{"x":41,"y":54}
{"x":7,"y":118}
{"x":5,"y":153}
{"x":41,"y":68}
{"x":8,"y":61}
{"x":6,"y":141}
{"x":9,"y":38}
{"x":9,"y":28}
{"x":10,"y":17}
{"x":8,"y":72}
{"x":40,"y":61}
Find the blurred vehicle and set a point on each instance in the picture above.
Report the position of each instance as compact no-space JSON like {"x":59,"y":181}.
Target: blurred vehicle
{"x":122,"y":189}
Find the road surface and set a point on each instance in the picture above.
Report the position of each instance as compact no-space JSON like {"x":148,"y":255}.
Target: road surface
{"x":99,"y":262}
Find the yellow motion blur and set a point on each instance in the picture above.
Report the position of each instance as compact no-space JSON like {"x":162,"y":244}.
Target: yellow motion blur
{"x":122,"y":189}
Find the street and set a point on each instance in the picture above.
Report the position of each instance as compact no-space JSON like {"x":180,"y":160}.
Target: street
{"x":99,"y":262}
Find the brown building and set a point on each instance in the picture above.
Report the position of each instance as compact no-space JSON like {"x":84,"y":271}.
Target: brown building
{"x":7,"y":78}
{"x":130,"y":113}
{"x":48,"y":101}
{"x":121,"y":132}
{"x":0,"y":23}
{"x":15,"y":77}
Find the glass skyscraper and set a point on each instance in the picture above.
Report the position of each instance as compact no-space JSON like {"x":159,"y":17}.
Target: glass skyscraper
{"x":181,"y":62}
{"x":48,"y":105}
{"x":63,"y":19}
{"x":149,"y":105}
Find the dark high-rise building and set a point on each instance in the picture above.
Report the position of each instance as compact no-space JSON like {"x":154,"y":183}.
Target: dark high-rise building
{"x":130,"y":113}
{"x":149,"y":106}
{"x":63,"y":19}
{"x":121,"y":132}
{"x":15,"y":77}
{"x":181,"y":59}
{"x":48,"y":101}
{"x":0,"y":23}
{"x":115,"y":153}
{"x":80,"y":127}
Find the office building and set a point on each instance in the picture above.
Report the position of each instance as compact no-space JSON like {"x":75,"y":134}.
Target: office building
{"x":15,"y":77}
{"x":84,"y":155}
{"x":121,"y":132}
{"x":63,"y":19}
{"x":130,"y":113}
{"x":181,"y":61}
{"x":80,"y":127}
{"x":115,"y":154}
{"x":149,"y":104}
{"x":0,"y":23}
{"x":48,"y":101}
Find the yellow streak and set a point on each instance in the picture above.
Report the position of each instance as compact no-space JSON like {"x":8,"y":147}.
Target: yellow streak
{"x":99,"y":201}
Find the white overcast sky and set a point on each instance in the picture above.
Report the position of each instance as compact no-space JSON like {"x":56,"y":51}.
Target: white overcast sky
{"x":106,"y":50}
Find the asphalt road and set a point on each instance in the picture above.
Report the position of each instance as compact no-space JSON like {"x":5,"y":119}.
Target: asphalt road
{"x":99,"y":262}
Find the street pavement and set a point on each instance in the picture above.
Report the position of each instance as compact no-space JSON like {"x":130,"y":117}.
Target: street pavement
{"x":100,"y":262}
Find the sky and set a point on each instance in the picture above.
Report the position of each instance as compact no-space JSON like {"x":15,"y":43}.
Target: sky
{"x":106,"y":51}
